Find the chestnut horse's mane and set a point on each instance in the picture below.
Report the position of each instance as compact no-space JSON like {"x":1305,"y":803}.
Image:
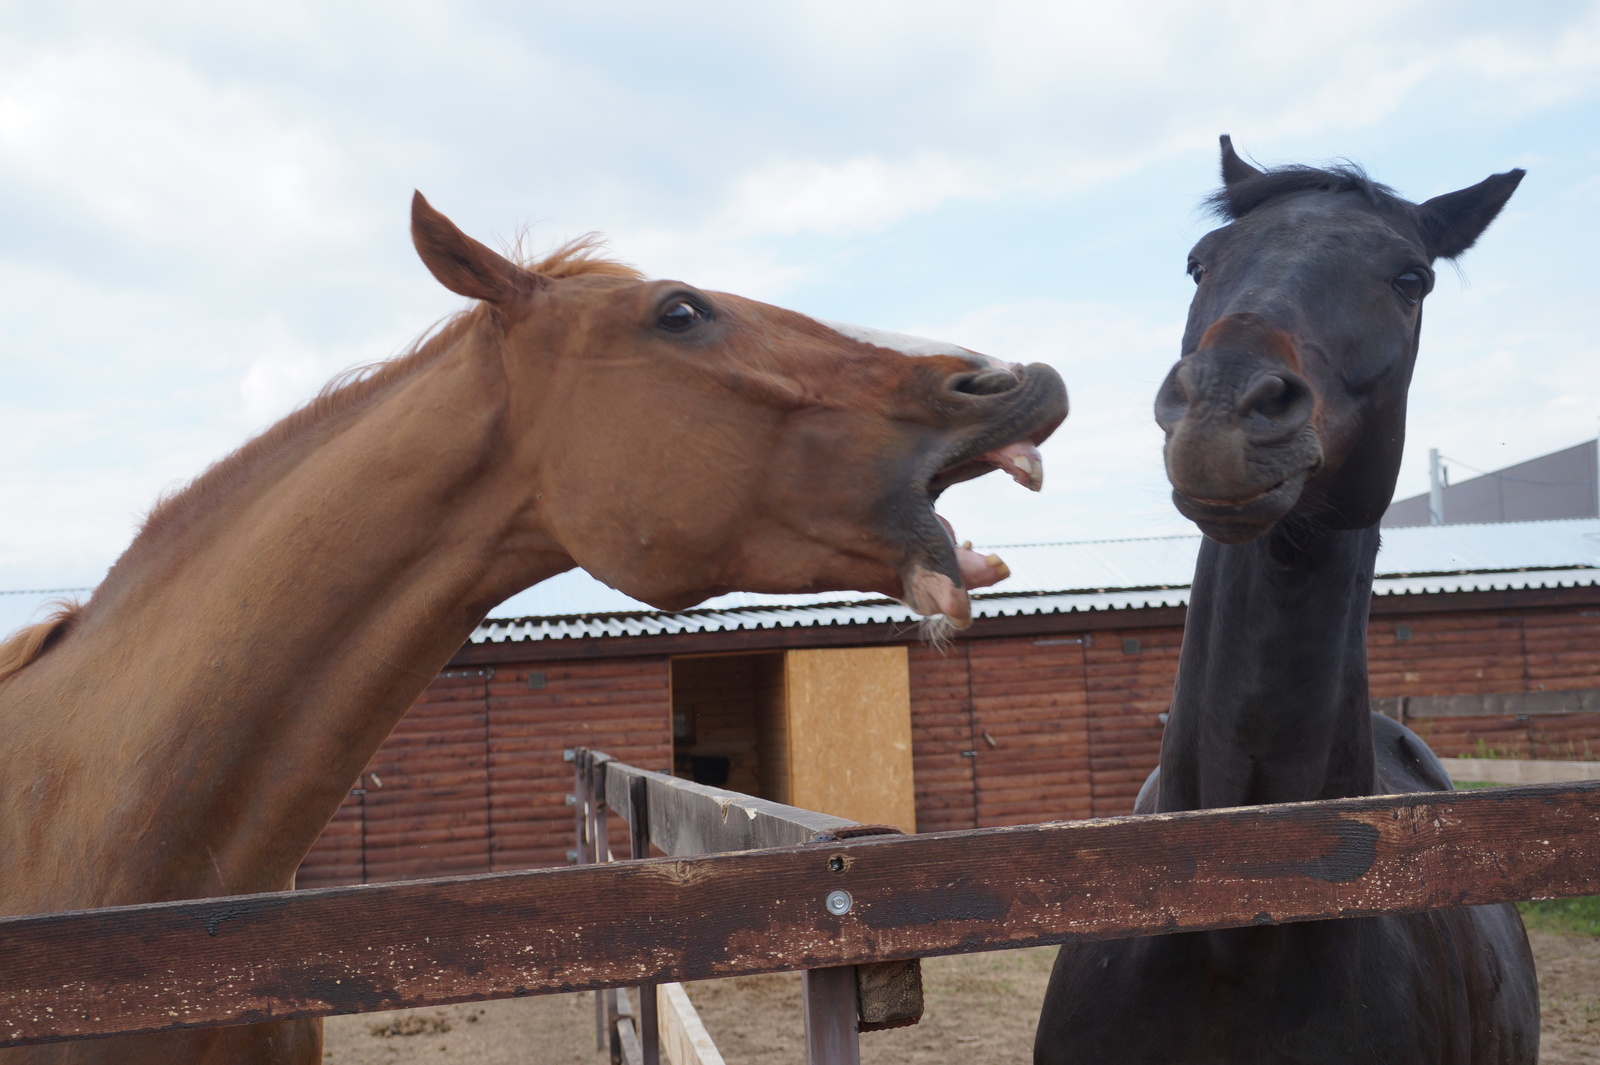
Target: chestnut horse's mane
{"x":341,"y":397}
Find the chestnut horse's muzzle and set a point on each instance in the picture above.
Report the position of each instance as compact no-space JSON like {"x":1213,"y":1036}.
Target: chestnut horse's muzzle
{"x":996,"y":417}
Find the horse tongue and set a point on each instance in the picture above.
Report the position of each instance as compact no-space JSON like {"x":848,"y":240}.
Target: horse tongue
{"x":977,"y":571}
{"x":1022,"y":461}
{"x":980,"y":571}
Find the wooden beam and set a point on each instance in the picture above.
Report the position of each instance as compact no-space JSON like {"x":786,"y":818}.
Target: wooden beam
{"x":1519,"y":770}
{"x":888,"y":994}
{"x":250,"y":958}
{"x":684,"y":1039}
{"x":688,"y":818}
{"x":1503,"y":704}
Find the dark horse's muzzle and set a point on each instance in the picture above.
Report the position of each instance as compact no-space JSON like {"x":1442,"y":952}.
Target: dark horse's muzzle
{"x":1238,"y":419}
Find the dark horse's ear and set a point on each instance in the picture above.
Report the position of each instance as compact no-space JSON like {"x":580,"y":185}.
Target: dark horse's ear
{"x":1234,"y":169}
{"x":1450,"y":223}
{"x":463,"y":265}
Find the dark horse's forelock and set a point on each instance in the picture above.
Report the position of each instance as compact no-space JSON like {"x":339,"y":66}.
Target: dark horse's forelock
{"x":1233,"y":202}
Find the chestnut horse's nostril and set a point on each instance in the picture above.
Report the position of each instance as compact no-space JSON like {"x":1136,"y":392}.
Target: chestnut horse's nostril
{"x":984,"y":382}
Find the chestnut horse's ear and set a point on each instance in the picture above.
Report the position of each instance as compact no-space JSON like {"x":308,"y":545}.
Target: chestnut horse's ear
{"x":1450,"y":223}
{"x":1234,"y":169}
{"x":463,"y":265}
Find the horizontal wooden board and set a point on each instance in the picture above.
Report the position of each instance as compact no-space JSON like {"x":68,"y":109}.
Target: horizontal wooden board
{"x":350,"y":950}
{"x":1519,"y":771}
{"x":1497,"y":704}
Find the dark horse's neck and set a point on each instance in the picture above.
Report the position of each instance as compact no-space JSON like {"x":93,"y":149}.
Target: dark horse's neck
{"x":1271,"y":702}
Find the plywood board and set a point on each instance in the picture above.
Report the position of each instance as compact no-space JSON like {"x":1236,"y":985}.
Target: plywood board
{"x":848,"y":734}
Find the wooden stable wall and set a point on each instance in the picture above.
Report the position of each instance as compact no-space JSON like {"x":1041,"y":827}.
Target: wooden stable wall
{"x":1499,"y":651}
{"x":1062,"y":721}
{"x":472,"y":779}
{"x":1014,"y":731}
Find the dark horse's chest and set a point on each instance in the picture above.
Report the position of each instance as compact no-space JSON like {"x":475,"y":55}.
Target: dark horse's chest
{"x":1327,"y":993}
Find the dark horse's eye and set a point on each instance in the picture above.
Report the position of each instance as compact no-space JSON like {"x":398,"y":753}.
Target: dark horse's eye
{"x":681,"y":315}
{"x":1412,"y":286}
{"x":1196,"y":271}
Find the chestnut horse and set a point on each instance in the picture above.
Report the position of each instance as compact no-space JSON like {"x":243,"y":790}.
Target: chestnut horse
{"x":191,"y":729}
{"x":1284,"y":422}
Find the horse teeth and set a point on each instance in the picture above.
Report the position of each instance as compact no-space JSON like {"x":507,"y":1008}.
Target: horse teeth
{"x":966,"y":545}
{"x":1021,"y":460}
{"x":996,"y":563}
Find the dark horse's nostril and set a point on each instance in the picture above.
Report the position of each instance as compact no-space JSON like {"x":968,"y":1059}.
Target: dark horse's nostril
{"x":984,"y":382}
{"x":1278,"y":397}
{"x":1172,"y":400}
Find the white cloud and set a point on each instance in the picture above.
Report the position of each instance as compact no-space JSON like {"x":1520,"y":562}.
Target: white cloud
{"x":140,"y":144}
{"x":203,"y":205}
{"x":857,"y":195}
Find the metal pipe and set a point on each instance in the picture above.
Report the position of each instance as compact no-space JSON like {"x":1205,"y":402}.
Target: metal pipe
{"x":1435,"y":489}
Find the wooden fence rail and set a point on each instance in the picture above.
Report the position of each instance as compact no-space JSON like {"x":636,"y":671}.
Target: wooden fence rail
{"x":500,"y":935}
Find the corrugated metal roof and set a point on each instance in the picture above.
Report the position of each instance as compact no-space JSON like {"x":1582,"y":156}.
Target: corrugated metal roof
{"x":1124,"y":574}
{"x":1064,"y":577}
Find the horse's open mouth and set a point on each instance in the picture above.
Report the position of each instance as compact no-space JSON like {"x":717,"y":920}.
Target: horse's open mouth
{"x":1004,"y":433}
{"x":929,"y":591}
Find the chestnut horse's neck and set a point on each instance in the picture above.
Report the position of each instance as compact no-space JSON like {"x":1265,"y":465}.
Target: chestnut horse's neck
{"x":205,"y":716}
{"x":1271,"y":701}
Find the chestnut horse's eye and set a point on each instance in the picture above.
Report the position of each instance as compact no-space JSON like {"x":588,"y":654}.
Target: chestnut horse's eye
{"x":1412,"y":286}
{"x":681,"y":315}
{"x":1196,"y":271}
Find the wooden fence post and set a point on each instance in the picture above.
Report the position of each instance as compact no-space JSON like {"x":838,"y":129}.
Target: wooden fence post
{"x":605,"y":1002}
{"x":639,"y":847}
{"x":830,"y":1009}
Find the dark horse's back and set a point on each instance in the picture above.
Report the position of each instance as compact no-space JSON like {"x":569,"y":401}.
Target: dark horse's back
{"x":1296,"y":993}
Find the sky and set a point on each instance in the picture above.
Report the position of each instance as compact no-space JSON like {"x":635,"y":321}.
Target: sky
{"x":203,"y":207}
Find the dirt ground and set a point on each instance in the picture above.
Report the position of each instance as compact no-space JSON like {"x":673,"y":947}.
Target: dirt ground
{"x":980,"y":1010}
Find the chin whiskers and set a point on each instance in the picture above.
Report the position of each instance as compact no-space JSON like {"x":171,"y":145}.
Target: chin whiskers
{"x":937,"y":631}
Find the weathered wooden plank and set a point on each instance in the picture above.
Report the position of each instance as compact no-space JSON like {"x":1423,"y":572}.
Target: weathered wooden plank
{"x":1504,"y":704}
{"x":350,"y":950}
{"x":1519,"y":770}
{"x":688,"y":818}
{"x":627,"y":1036}
{"x":684,"y":1039}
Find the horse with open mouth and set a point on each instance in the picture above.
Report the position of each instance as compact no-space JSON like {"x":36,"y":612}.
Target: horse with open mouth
{"x":1285,"y":419}
{"x":190,"y":730}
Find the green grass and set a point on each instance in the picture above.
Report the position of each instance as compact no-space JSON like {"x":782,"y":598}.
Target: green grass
{"x":1580,"y":915}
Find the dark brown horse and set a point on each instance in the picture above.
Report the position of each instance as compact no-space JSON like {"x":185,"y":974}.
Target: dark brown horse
{"x":1284,"y":423}
{"x":190,"y":730}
